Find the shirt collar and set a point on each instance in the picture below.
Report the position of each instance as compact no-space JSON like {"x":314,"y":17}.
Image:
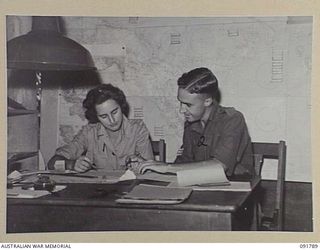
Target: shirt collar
{"x":101,"y":130}
{"x":197,"y":127}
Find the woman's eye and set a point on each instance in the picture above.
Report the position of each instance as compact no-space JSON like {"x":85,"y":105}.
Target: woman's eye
{"x":114,"y":112}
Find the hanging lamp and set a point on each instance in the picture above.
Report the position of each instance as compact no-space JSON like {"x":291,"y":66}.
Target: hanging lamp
{"x":44,"y":48}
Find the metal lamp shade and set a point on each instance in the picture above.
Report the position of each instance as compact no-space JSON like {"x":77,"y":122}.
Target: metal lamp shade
{"x":44,"y":48}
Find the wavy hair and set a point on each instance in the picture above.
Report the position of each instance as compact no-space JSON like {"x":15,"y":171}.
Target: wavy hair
{"x":200,"y":81}
{"x":99,"y":95}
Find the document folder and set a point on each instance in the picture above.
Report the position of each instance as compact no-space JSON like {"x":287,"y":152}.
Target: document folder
{"x":150,"y":194}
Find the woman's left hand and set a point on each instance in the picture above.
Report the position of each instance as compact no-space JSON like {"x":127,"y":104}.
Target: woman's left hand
{"x":133,"y":162}
{"x":140,"y":166}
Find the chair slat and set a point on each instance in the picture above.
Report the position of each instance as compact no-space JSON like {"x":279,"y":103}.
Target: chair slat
{"x":269,"y":150}
{"x":273,"y":151}
{"x":159,"y":148}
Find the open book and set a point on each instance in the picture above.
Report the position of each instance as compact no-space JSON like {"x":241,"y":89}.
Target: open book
{"x":212,"y":174}
{"x":199,"y":178}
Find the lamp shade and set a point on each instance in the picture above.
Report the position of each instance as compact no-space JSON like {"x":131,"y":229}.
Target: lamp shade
{"x":45,"y":48}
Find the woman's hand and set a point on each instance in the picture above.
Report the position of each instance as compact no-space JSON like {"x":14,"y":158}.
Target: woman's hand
{"x":82,"y":164}
{"x":139,"y":165}
{"x":133,"y":163}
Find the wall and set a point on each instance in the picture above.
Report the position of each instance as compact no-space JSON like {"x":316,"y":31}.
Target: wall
{"x":263,"y":66}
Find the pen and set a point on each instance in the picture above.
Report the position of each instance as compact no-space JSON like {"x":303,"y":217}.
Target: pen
{"x":94,"y":167}
{"x":139,"y":155}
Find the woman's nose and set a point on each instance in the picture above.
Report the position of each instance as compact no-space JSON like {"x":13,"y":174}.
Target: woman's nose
{"x":111,"y":119}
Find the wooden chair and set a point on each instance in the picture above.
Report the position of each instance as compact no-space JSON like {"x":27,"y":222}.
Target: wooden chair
{"x":159,"y":149}
{"x":277,"y":151}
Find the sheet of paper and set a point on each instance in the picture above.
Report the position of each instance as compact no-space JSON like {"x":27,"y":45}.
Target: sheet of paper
{"x":69,"y":176}
{"x":128,"y":175}
{"x":85,"y":178}
{"x":202,"y":175}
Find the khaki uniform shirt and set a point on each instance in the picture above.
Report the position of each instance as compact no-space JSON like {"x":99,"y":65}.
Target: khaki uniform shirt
{"x":225,"y":137}
{"x":94,"y":142}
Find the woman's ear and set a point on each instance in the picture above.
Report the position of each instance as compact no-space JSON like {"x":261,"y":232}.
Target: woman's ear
{"x":208,"y":101}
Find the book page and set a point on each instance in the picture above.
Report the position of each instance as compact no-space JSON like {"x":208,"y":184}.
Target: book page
{"x":202,"y":175}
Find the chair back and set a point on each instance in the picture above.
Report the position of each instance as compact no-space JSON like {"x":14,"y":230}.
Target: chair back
{"x":277,"y":151}
{"x":159,"y":149}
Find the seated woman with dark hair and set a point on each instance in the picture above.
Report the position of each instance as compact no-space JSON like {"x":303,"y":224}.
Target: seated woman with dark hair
{"x":109,"y":137}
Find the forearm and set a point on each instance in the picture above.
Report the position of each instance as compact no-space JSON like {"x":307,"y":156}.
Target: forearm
{"x":71,"y":151}
{"x":52,"y":161}
{"x":74,"y":149}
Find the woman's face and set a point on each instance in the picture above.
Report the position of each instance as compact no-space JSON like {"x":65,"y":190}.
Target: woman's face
{"x":110,"y":115}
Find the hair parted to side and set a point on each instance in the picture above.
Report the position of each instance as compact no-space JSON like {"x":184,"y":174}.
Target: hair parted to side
{"x":199,"y":81}
{"x":99,"y":95}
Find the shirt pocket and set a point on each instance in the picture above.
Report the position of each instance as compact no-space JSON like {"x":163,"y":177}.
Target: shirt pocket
{"x":100,"y":158}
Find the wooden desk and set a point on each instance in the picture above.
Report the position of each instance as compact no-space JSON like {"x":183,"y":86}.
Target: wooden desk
{"x":92,"y":207}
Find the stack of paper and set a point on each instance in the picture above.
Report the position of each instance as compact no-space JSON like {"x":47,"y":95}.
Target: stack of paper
{"x":69,"y":176}
{"x":150,"y":194}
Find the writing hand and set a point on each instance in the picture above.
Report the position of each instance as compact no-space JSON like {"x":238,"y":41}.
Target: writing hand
{"x":82,"y":164}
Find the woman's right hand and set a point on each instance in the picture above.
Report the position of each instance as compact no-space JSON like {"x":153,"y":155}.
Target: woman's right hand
{"x":82,"y":164}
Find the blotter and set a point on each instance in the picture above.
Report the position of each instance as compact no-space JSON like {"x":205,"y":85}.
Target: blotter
{"x":151,"y":194}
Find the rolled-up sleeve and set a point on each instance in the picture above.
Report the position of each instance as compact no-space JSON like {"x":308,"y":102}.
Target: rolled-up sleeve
{"x":76,"y":147}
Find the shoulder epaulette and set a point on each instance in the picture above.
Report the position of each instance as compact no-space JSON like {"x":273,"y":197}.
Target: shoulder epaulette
{"x":230,"y":111}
